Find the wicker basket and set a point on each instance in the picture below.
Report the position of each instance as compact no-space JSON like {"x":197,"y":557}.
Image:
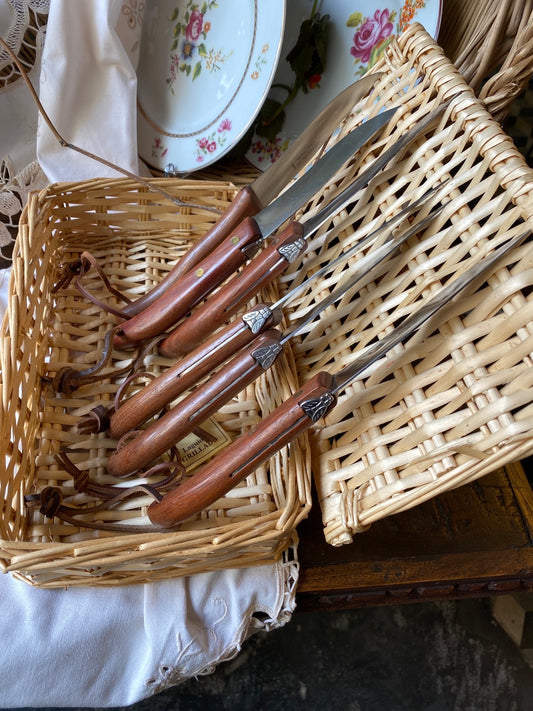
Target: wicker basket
{"x":137,"y":237}
{"x":449,"y":406}
{"x":491,"y":44}
{"x":456,"y":401}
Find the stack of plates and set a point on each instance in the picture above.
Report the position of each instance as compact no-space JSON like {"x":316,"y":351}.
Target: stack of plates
{"x":204,"y":72}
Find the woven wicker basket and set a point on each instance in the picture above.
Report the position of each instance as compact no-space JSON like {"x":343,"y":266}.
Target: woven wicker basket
{"x":137,"y":237}
{"x":456,"y":401}
{"x":491,"y":44}
{"x":444,"y":409}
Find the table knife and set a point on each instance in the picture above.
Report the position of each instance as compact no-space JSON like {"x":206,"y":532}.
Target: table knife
{"x":228,"y":341}
{"x":145,"y":447}
{"x":244,"y":241}
{"x":254,"y":197}
{"x":299,"y":412}
{"x":285,"y":248}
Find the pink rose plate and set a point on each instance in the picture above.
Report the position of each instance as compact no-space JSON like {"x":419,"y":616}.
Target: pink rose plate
{"x":358,"y":32}
{"x":205,"y":68}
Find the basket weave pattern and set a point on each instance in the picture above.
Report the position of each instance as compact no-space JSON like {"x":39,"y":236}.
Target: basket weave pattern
{"x":137,"y":238}
{"x":491,"y":44}
{"x":455,"y":402}
{"x":448,"y":406}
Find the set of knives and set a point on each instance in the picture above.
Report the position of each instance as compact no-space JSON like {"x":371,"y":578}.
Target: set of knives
{"x":200,"y":314}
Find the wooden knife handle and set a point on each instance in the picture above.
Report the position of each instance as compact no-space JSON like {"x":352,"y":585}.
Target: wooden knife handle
{"x":196,"y":407}
{"x":188,"y":371}
{"x":219,"y":307}
{"x":245,"y":454}
{"x":244,"y":204}
{"x":190,"y":288}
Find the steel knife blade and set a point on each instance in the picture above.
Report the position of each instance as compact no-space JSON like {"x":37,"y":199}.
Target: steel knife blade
{"x":235,"y":249}
{"x":286,"y":247}
{"x":258,"y":194}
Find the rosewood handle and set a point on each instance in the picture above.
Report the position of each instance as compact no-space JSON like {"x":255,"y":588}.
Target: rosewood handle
{"x":219,"y":307}
{"x":244,"y":204}
{"x":188,"y":371}
{"x":192,"y":287}
{"x":245,"y":454}
{"x":196,"y":407}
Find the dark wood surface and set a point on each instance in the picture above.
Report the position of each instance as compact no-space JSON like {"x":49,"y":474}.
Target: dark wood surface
{"x":476,"y":540}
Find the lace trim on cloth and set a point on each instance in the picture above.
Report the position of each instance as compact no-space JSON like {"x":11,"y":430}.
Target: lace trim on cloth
{"x":14,"y":190}
{"x":254,"y":621}
{"x":24,"y":34}
{"x":25,"y":37}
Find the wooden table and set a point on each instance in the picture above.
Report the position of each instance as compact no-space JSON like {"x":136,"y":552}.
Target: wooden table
{"x":470,"y":542}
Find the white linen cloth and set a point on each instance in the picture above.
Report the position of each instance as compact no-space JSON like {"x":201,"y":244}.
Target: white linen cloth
{"x":110,"y":647}
{"x":88,"y":87}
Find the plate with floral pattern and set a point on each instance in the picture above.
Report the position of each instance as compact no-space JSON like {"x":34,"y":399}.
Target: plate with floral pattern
{"x":205,"y":68}
{"x":347,"y":37}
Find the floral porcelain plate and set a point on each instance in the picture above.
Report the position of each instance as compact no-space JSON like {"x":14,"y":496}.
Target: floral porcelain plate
{"x":357,"y":32}
{"x":205,"y":68}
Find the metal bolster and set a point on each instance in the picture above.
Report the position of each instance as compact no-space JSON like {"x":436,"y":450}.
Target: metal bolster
{"x":250,"y":250}
{"x":266,"y":355}
{"x":292,"y":251}
{"x":318,"y":407}
{"x":257,"y":318}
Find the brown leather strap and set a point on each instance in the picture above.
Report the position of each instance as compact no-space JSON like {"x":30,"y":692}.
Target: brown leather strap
{"x":77,"y":269}
{"x":50,"y":500}
{"x":67,"y":379}
{"x":50,"y":504}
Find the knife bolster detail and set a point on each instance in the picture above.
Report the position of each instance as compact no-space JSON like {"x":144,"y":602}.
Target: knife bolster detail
{"x":292,"y":250}
{"x":265,"y":356}
{"x":318,"y":407}
{"x":258,"y":318}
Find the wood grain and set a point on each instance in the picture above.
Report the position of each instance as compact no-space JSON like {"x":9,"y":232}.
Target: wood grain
{"x":472,"y":541}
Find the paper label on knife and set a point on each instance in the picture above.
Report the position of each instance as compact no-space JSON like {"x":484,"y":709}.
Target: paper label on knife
{"x":194,"y":450}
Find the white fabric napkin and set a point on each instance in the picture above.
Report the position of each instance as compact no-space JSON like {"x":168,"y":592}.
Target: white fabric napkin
{"x":88,"y":88}
{"x":88,"y":647}
{"x":112,"y":647}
